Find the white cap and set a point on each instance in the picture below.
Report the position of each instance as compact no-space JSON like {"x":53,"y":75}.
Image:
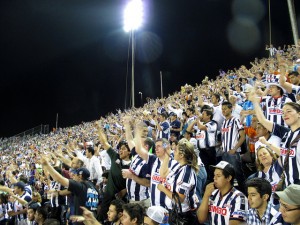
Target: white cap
{"x":158,"y":214}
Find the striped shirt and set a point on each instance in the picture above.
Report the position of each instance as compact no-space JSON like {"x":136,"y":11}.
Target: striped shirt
{"x":295,"y":90}
{"x":232,"y":206}
{"x":207,"y":138}
{"x":183,"y":181}
{"x":140,"y":168}
{"x":230,"y":133}
{"x":165,"y":132}
{"x":273,"y":175}
{"x":273,"y":108}
{"x":158,"y":197}
{"x":292,"y":175}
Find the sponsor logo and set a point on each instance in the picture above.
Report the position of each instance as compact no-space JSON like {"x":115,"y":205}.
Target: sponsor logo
{"x":275,"y":111}
{"x":225,"y":129}
{"x":284,"y":151}
{"x":158,"y":179}
{"x":200,"y":136}
{"x":218,"y":210}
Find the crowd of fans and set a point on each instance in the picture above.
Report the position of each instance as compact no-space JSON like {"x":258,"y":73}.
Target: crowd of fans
{"x":228,"y":148}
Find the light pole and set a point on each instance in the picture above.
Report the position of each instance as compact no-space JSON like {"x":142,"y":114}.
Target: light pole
{"x":140,"y":93}
{"x":133,"y":17}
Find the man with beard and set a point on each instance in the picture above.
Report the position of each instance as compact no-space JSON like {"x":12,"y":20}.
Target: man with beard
{"x":115,"y":212}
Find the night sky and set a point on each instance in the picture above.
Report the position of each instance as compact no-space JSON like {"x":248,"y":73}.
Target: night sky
{"x":70,"y":56}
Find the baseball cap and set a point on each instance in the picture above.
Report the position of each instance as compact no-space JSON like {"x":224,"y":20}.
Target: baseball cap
{"x":290,"y":195}
{"x":223,"y":165}
{"x":172,"y":114}
{"x":158,"y":214}
{"x":20,"y":184}
{"x":74,"y":171}
{"x":84,"y":172}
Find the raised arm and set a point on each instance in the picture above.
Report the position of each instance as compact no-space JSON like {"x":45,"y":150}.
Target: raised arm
{"x":259,"y":113}
{"x":128,"y":132}
{"x":103,"y":139}
{"x":53,"y":173}
{"x":140,"y":150}
{"x":282,"y":80}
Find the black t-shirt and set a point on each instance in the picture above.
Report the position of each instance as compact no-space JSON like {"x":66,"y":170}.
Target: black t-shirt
{"x":79,"y":190}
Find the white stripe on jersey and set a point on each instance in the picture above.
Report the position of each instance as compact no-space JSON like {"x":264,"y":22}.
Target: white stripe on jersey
{"x":135,"y":191}
{"x":158,"y":197}
{"x":233,"y":205}
{"x":230,"y":133}
{"x":292,"y":173}
{"x":212,"y":127}
{"x":273,"y":108}
{"x":183,"y":181}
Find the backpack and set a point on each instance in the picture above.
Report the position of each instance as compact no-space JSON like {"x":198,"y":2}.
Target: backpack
{"x":92,"y":196}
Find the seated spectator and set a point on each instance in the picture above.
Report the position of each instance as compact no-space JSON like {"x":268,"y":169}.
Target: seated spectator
{"x":40,"y":215}
{"x":132,"y":214}
{"x":290,"y":204}
{"x":261,"y":208}
{"x":268,"y":166}
{"x":266,"y":138}
{"x":31,"y":210}
{"x":156,"y":215}
{"x":115,"y":212}
{"x":221,"y":202}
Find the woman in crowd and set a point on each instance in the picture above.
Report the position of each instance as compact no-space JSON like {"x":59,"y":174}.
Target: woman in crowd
{"x":289,"y":155}
{"x":268,"y":166}
{"x":183,"y":180}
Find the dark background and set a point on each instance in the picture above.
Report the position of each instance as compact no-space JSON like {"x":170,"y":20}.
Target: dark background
{"x":70,"y":56}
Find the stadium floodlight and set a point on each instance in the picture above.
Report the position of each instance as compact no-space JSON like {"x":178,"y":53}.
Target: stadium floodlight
{"x":133,"y":15}
{"x":133,"y":18}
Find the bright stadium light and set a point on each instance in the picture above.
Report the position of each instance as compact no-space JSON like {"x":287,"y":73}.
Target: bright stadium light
{"x":133,"y":15}
{"x":133,"y":19}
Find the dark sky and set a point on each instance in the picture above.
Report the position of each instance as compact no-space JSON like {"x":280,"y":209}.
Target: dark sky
{"x":70,"y":56}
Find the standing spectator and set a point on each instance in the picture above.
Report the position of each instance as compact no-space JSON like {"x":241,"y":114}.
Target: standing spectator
{"x":206,"y":136}
{"x":22,"y":197}
{"x":248,"y":110}
{"x":138,"y":174}
{"x":116,"y":184}
{"x":236,"y":109}
{"x":233,"y":136}
{"x":162,"y":150}
{"x":272,"y":105}
{"x":175,"y":125}
{"x":163,"y":127}
{"x":81,"y":188}
{"x":92,"y":163}
{"x":222,"y":203}
{"x":289,"y":137}
{"x":245,"y":84}
{"x":272,"y":50}
{"x":183,"y":181}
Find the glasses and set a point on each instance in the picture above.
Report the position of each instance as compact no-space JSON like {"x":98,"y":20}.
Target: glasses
{"x":285,"y":208}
